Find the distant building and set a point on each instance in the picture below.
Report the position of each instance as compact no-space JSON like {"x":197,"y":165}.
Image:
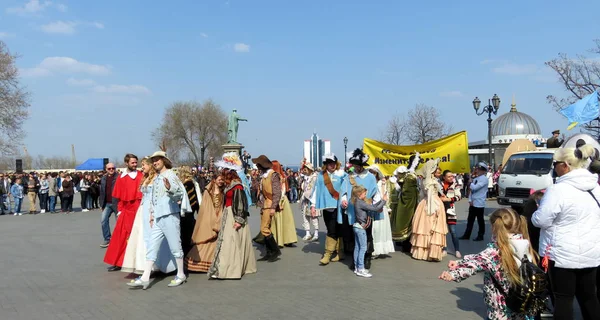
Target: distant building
{"x":506,"y":128}
{"x":315,"y":149}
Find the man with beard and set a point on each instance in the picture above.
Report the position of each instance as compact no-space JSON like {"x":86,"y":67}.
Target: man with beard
{"x":127,"y":191}
{"x":269,"y":198}
{"x":364,"y":178}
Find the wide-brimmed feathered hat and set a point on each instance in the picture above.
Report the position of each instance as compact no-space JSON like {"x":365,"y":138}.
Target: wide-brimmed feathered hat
{"x":308,"y":166}
{"x":330,"y":158}
{"x":263,"y":161}
{"x":159,"y":154}
{"x":378,"y":172}
{"x":359,"y":158}
{"x":230,"y":160}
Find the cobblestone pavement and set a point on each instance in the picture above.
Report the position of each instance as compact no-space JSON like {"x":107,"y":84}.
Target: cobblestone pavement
{"x":52,"y":269}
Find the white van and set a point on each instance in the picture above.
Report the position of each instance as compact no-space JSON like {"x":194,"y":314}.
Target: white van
{"x":523,"y":172}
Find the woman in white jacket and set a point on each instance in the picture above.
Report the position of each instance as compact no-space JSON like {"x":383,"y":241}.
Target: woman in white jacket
{"x":569,"y":218}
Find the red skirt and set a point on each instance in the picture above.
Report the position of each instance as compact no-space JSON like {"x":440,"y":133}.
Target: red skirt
{"x":118,"y":242}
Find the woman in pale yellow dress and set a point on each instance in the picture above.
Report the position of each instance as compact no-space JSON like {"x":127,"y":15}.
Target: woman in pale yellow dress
{"x":429,"y":227}
{"x":283,"y":226}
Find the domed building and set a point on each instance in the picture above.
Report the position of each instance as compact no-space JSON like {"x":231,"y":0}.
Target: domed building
{"x":507,"y":128}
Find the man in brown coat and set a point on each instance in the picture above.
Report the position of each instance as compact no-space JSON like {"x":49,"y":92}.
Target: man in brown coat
{"x":269,"y":197}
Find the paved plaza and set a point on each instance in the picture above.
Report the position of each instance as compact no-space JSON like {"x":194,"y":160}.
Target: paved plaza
{"x":52,"y":269}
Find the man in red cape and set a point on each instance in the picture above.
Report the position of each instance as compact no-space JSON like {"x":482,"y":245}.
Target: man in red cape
{"x":127,"y":191}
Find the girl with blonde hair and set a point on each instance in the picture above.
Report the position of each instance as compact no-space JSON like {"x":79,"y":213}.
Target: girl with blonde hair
{"x":510,"y":239}
{"x":135,"y":253}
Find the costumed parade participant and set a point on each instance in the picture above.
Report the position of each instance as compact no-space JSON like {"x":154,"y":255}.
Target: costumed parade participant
{"x":429,"y":226}
{"x":234,"y":253}
{"x":188,"y":221}
{"x":408,"y":194}
{"x":382,"y":232}
{"x":283,"y":227}
{"x":167,"y":192}
{"x":204,"y":238}
{"x":359,"y":177}
{"x":327,"y":197}
{"x":127,"y":191}
{"x":268,"y":202}
{"x":135,"y":254}
{"x":308,"y":217}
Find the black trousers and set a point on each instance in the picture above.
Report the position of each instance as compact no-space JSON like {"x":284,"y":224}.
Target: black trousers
{"x":330,"y":219}
{"x":475,"y":212}
{"x":347,"y":233}
{"x":574,"y":283}
{"x":187,"y":224}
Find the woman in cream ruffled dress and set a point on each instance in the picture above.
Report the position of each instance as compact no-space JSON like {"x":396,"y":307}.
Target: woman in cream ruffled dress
{"x":134,"y":260}
{"x":429,"y":227}
{"x":382,"y":230}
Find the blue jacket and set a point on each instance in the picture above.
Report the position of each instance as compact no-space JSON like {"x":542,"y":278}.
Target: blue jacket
{"x":367,"y":180}
{"x":165,"y":202}
{"x":479,"y":189}
{"x":321,"y":198}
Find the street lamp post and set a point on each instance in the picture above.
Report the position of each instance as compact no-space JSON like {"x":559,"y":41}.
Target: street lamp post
{"x":491,"y":108}
{"x":345,"y":150}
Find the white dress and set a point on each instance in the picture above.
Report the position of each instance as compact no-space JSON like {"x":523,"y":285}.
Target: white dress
{"x":382,"y":229}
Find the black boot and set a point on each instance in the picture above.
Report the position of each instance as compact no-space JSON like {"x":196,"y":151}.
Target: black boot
{"x":268,"y":254}
{"x":274,"y":248}
{"x":260,"y":239}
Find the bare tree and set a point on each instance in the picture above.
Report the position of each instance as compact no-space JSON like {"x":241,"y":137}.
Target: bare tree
{"x":14,"y":103}
{"x":190,"y":130}
{"x":580,"y":76}
{"x":425,"y":124}
{"x":51,"y":163}
{"x":395,"y":130}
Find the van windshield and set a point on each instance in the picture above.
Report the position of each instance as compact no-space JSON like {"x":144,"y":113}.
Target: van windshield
{"x":530,"y":163}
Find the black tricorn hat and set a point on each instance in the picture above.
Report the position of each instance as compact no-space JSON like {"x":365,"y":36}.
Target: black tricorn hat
{"x":263,"y":161}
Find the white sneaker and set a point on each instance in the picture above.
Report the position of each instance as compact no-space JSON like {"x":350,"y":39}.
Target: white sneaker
{"x":458,"y":255}
{"x":15,"y":214}
{"x":42,"y":211}
{"x":307,"y":237}
{"x":315,"y":237}
{"x":85,"y":210}
{"x":20,"y":214}
{"x":364,"y":273}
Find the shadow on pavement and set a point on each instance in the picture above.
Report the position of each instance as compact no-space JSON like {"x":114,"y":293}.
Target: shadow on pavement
{"x":471,"y":300}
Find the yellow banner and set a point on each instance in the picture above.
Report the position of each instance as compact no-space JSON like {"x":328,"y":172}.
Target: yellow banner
{"x":452,"y":150}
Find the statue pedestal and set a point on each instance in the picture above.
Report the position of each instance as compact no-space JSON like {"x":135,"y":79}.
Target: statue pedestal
{"x":233,"y":147}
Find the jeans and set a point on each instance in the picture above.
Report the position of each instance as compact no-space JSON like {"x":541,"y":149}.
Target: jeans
{"x":43,"y":201}
{"x":52,"y":205}
{"x":293,"y":195}
{"x":454,"y":236}
{"x":475,"y":212}
{"x":3,"y":206}
{"x":574,"y":283}
{"x":18,"y":202}
{"x":108,"y":210}
{"x":84,"y":200}
{"x":360,"y":247}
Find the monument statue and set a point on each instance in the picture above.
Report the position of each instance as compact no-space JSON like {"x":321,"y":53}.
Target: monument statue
{"x":232,"y":126}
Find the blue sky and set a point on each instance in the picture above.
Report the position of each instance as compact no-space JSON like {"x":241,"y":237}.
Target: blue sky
{"x":102,"y":72}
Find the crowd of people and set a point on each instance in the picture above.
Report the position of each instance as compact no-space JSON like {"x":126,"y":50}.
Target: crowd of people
{"x":49,"y":192}
{"x":188,"y":220}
